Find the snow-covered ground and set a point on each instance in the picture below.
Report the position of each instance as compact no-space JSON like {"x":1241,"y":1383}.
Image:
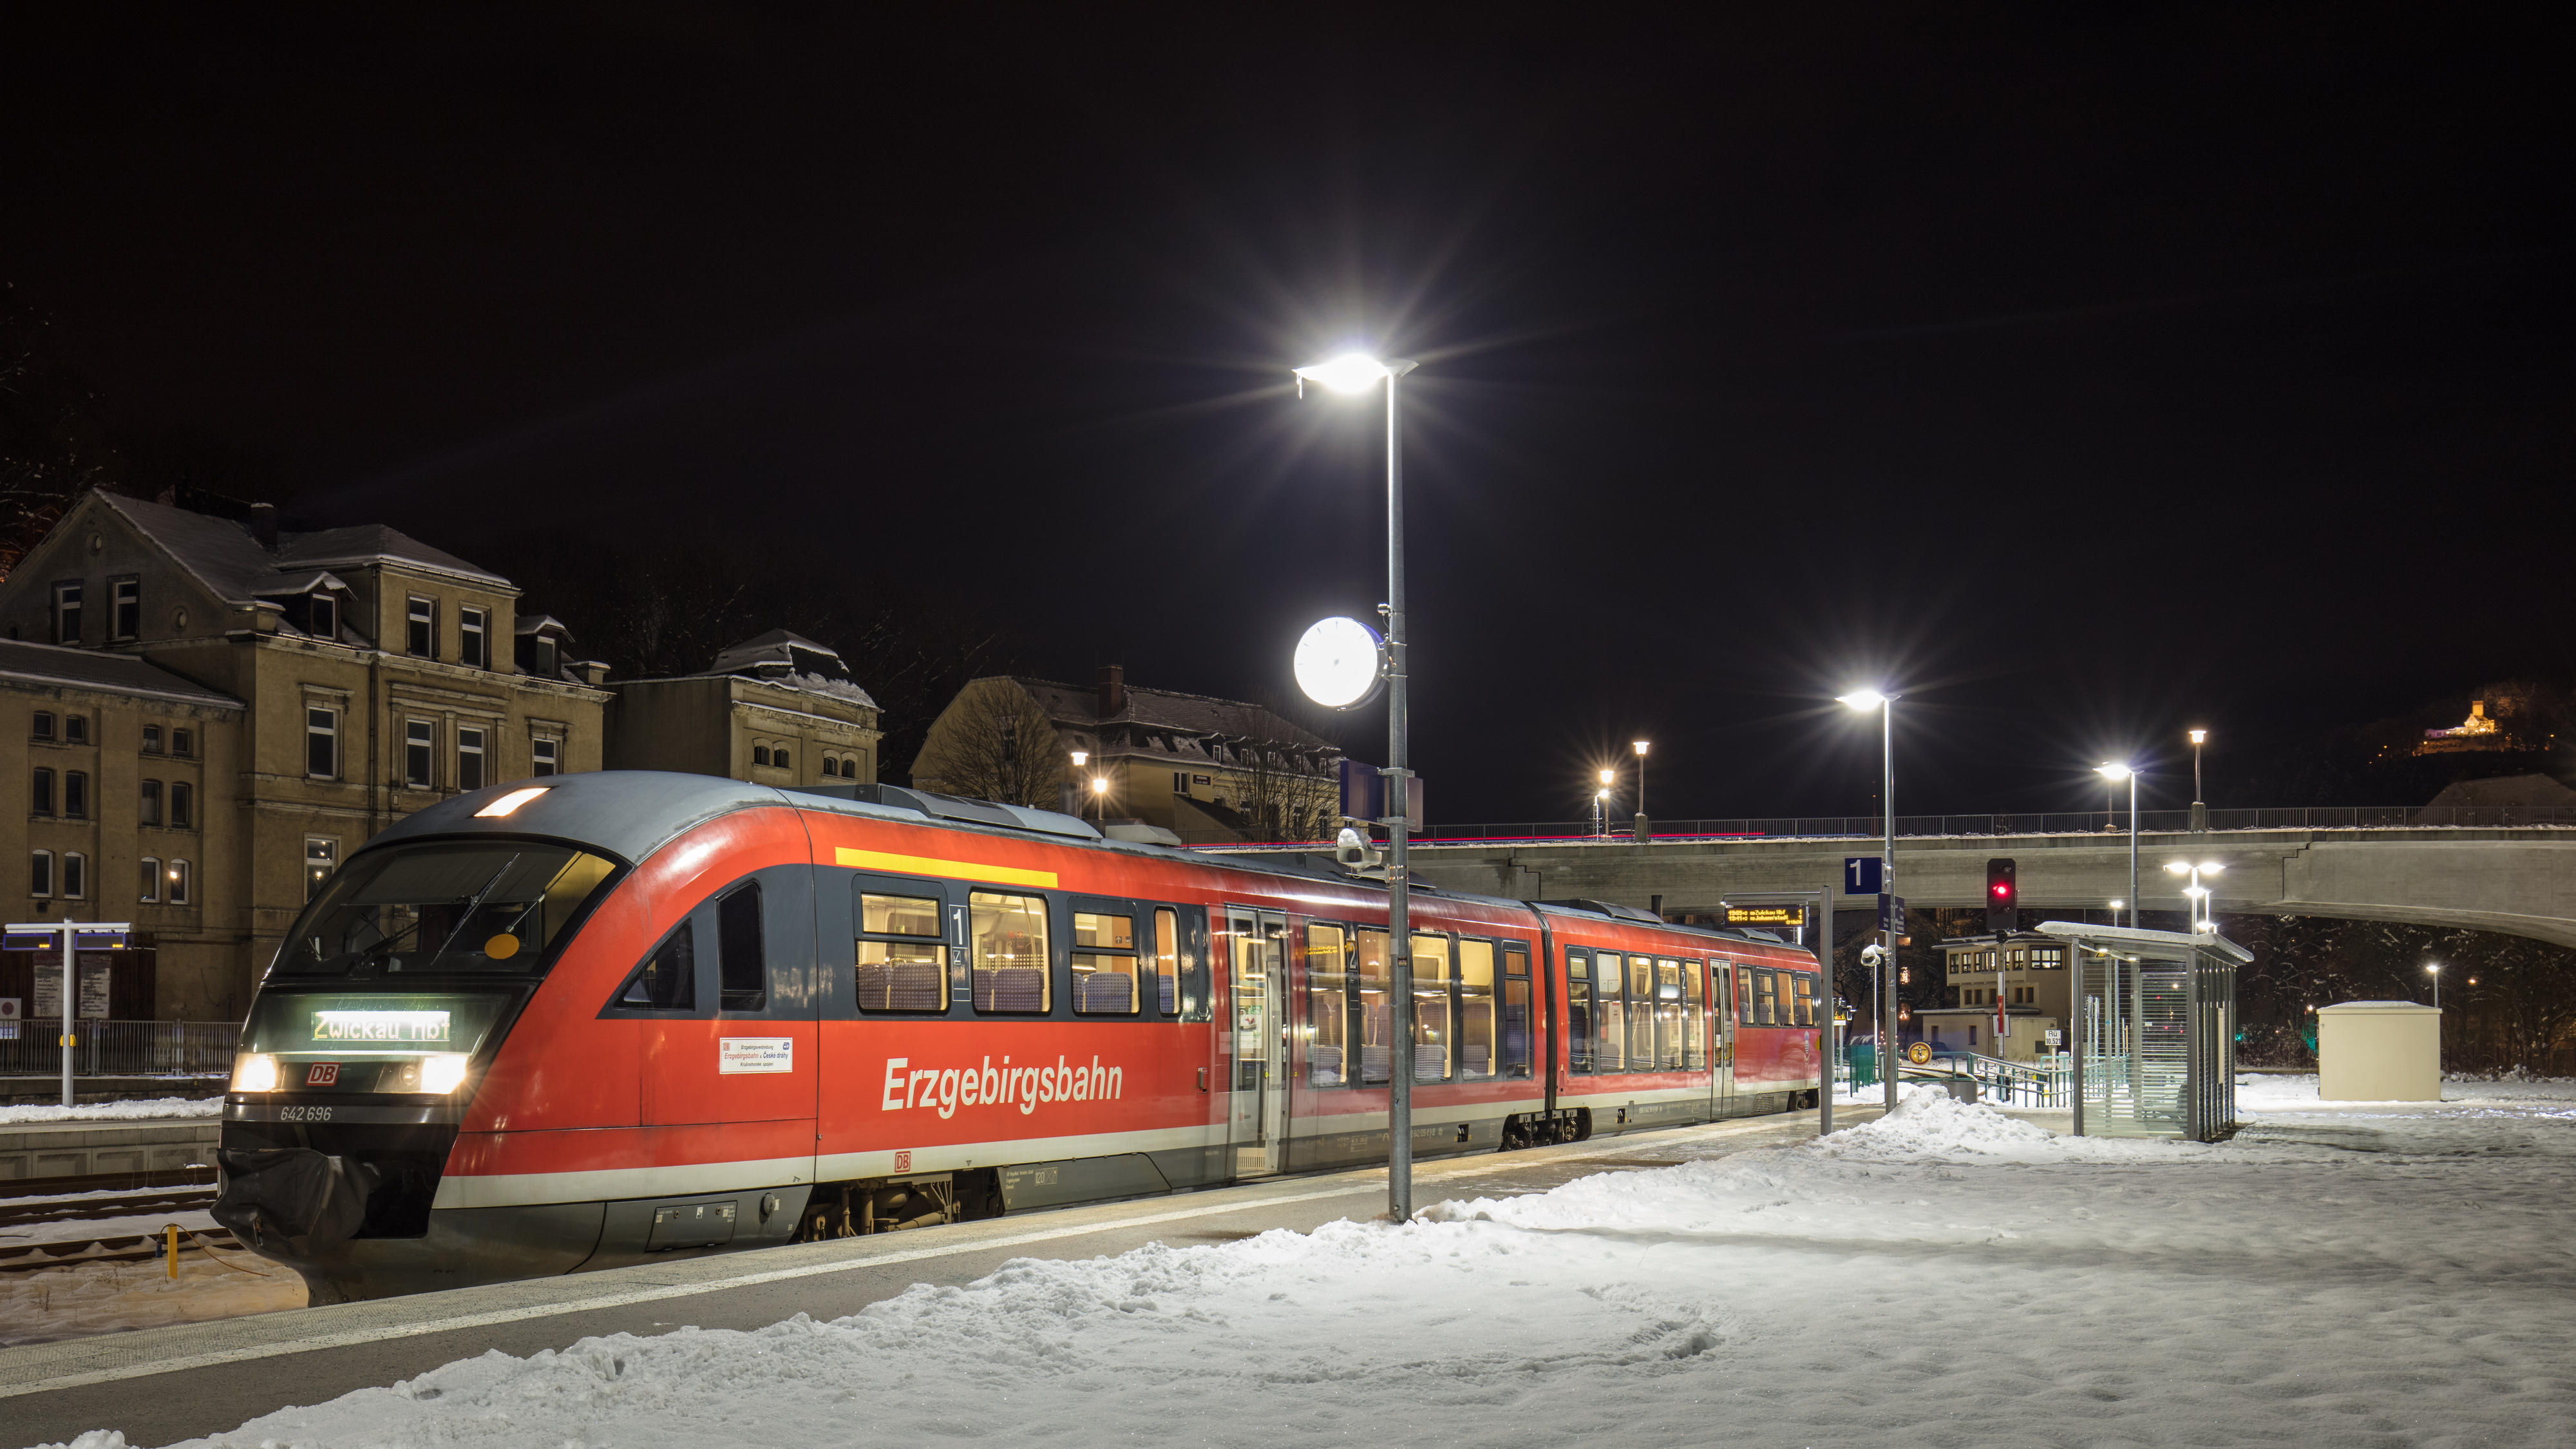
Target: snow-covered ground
{"x":1948,"y":1276}
{"x":133,"y":1212}
{"x":113,"y":1111}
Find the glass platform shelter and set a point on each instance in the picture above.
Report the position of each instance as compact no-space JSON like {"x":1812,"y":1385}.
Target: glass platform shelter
{"x":2153,"y":1031}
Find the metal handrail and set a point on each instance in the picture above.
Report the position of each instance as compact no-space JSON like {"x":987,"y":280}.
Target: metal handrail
{"x":2094,"y":822}
{"x":2042,"y":1083}
{"x":120,"y":1048}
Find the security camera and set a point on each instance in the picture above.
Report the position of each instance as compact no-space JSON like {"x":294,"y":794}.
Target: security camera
{"x":1871,"y":955}
{"x":1353,"y":849}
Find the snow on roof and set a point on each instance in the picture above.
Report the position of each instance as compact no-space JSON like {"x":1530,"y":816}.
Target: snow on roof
{"x":236,"y":568}
{"x":1197,"y":714}
{"x":95,"y":669}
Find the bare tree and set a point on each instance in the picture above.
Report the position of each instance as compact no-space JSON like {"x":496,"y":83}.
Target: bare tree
{"x":1281,"y":778}
{"x":994,"y":743}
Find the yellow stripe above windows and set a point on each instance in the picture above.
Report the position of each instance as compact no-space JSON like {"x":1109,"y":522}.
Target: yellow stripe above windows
{"x":931,"y":865}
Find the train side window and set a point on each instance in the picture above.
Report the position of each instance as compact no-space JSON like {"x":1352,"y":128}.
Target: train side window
{"x":1641,"y":1014}
{"x":1609,"y":1011}
{"x":1476,"y":1024}
{"x":1010,"y":936}
{"x":1104,"y":963}
{"x":902,"y":964}
{"x":1167,"y":958}
{"x":1578,"y":1011}
{"x":1377,"y":1017}
{"x":1435,"y":1038}
{"x":1694,"y":1018}
{"x":1805,"y":986}
{"x":1196,"y":1004}
{"x":1765,"y":998}
{"x":1516,"y":1009}
{"x":668,"y":979}
{"x":1328,"y":1005}
{"x":742,"y":957}
{"x":1671,"y":1019}
{"x":1744,"y":994}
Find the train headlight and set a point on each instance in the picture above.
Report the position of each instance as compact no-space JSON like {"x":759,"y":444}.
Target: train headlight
{"x":254,"y":1072}
{"x":442,"y":1072}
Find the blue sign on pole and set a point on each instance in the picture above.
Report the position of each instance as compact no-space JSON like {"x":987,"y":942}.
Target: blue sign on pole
{"x":1860,"y":875}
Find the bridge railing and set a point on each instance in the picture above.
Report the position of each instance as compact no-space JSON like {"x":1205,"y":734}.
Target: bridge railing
{"x":2100,"y":822}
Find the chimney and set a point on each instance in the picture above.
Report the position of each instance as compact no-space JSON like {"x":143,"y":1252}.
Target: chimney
{"x":263,"y":524}
{"x":1113,"y":690}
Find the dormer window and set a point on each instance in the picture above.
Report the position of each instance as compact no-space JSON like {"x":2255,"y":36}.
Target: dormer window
{"x":126,"y":599}
{"x":421,"y":619}
{"x":541,"y":656}
{"x":67,"y":612}
{"x":322,"y":616}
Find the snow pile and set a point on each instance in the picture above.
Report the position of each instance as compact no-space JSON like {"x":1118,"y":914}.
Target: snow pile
{"x":1948,"y":1277}
{"x":114,"y":1111}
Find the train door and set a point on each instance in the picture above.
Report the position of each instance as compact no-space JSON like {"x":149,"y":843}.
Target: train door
{"x":1257,"y":1117}
{"x":1721,"y":1047}
{"x":730,"y":1013}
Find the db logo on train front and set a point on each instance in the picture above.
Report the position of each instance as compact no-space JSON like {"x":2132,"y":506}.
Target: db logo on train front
{"x":322,"y":1074}
{"x":903,"y":1160}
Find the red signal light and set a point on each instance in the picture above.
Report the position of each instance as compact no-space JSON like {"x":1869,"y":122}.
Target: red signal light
{"x":2001,"y":903}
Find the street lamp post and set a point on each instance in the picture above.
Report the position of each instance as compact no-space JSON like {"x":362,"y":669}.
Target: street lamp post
{"x":1353,"y":373}
{"x":2202,"y":919}
{"x":1640,"y":747}
{"x":2115,"y":911}
{"x":2434,"y":970}
{"x":2199,"y":810}
{"x":2115,"y":774}
{"x":1080,"y":758}
{"x":1601,"y":804}
{"x":1885,"y":704}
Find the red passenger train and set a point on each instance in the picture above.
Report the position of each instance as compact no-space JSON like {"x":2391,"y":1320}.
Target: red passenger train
{"x":574,"y":1022}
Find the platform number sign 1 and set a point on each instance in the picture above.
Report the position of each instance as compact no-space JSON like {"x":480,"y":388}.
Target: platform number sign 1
{"x":1860,"y":875}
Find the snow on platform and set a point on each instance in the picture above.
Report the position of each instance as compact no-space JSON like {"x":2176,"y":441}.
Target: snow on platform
{"x":1947,"y":1276}
{"x":135,"y":1111}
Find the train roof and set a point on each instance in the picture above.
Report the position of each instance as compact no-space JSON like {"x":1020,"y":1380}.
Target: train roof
{"x":633,"y":813}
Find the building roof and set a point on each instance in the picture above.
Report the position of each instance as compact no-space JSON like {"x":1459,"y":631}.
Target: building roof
{"x":237,"y":568}
{"x":1163,"y":709}
{"x":56,"y":664}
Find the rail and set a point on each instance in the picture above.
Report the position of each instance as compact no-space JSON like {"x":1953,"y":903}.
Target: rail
{"x":2048,"y":1082}
{"x":2095,"y":822}
{"x":33,"y":1047}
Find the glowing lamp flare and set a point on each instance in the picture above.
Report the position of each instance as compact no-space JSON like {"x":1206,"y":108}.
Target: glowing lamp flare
{"x":1340,"y":663}
{"x":1352,"y":372}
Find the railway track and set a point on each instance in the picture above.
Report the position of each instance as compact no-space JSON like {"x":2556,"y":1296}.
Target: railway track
{"x":16,"y":1213}
{"x":135,"y":1248}
{"x":23,"y":1212}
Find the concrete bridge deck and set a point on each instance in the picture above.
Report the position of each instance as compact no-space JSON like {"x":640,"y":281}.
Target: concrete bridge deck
{"x":2520,"y":881}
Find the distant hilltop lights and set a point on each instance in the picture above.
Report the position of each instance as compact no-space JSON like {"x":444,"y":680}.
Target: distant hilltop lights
{"x":2478,"y":732}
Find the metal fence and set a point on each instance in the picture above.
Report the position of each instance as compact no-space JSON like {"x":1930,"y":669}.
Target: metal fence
{"x":33,"y":1048}
{"x":2095,"y":822}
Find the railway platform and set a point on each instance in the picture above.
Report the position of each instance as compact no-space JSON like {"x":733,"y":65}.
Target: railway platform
{"x":165,"y":1384}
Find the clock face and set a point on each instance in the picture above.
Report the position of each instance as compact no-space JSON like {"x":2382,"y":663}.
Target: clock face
{"x":1338,"y":662}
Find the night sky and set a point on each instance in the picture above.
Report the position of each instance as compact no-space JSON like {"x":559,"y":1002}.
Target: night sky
{"x":2087,"y":375}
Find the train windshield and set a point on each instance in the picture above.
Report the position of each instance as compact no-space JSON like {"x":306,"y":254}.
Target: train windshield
{"x":482,"y":908}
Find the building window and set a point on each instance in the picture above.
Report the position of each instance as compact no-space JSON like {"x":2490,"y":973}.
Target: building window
{"x":760,"y":757}
{"x":150,"y":882}
{"x":75,"y":729}
{"x":779,"y":759}
{"x":544,"y":755}
{"x":40,"y":873}
{"x":183,"y":805}
{"x":469,"y":759}
{"x":322,"y":616}
{"x":321,"y":743}
{"x":180,"y":875}
{"x":125,"y":602}
{"x":541,"y":657}
{"x":151,"y":739}
{"x":1180,"y":782}
{"x":76,"y":794}
{"x":43,"y":728}
{"x":150,"y":796}
{"x":67,"y":613}
{"x":321,"y":857}
{"x":473,"y":637}
{"x":422,"y":618}
{"x":183,"y":743}
{"x":40,"y":793}
{"x":75,"y":875}
{"x":416,"y":750}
